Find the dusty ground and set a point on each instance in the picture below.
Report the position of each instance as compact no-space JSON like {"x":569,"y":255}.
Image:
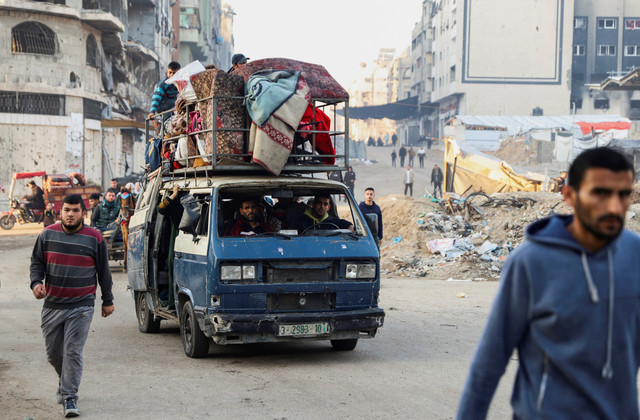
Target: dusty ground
{"x":411,"y":222}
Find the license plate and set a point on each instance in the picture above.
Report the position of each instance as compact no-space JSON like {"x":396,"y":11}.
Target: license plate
{"x":318,"y":328}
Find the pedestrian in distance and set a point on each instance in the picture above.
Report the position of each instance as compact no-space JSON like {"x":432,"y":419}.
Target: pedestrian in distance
{"x":402,"y":153}
{"x":436,"y":180}
{"x":368,"y":206}
{"x":408,"y":181}
{"x":68,"y":262}
{"x":386,"y":139}
{"x":412,"y":155}
{"x":394,"y":139}
{"x":393,"y":158}
{"x":49,"y":215}
{"x":106,"y":212}
{"x":350,"y":180}
{"x":421,"y":155}
{"x":569,"y":302}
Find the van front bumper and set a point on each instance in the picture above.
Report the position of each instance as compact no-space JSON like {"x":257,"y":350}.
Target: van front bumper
{"x":259,"y":328}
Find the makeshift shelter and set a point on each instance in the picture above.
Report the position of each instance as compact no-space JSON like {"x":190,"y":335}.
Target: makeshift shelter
{"x":467,"y":170}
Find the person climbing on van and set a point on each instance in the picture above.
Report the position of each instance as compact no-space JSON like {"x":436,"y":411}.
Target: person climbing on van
{"x":247,"y":222}
{"x":106,"y":212}
{"x":165,"y":94}
{"x":172,"y":210}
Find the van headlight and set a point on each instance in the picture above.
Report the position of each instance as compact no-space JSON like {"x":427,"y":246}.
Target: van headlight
{"x":360,"y":271}
{"x":238,"y":272}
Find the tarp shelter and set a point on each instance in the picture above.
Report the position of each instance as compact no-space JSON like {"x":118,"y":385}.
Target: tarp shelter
{"x":468,"y":170}
{"x":485,"y":131}
{"x":400,"y":110}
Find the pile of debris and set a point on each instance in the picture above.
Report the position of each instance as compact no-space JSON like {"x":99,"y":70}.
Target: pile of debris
{"x":466,"y":239}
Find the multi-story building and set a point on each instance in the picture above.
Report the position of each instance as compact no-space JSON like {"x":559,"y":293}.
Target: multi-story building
{"x":501,"y":57}
{"x":76,"y":74}
{"x":205,"y":32}
{"x":606,"y":42}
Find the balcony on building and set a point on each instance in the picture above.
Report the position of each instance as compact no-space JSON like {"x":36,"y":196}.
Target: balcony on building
{"x":143,"y":2}
{"x":136,"y":49}
{"x":104,"y":15}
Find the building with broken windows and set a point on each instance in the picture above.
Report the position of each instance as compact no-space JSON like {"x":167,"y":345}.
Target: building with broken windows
{"x":606,"y":45}
{"x":77,"y":79}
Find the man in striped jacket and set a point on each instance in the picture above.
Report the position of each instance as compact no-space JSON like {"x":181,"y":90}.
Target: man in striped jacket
{"x":69,"y":259}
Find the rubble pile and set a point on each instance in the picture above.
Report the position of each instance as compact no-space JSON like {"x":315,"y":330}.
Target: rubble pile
{"x":463,"y":240}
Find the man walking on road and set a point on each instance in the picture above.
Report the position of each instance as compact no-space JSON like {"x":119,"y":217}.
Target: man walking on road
{"x":436,"y":180}
{"x":67,"y":259}
{"x":569,"y":301}
{"x":368,"y":206}
{"x":402,"y":153}
{"x":408,"y":181}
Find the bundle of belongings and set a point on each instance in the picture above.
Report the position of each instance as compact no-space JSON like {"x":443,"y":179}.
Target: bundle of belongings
{"x":264,"y":113}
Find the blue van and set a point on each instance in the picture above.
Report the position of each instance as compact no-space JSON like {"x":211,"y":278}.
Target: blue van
{"x":293,"y":280}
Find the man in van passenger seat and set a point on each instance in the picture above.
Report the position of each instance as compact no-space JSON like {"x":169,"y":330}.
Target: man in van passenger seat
{"x":171,"y":209}
{"x":247,"y":222}
{"x":319,"y":215}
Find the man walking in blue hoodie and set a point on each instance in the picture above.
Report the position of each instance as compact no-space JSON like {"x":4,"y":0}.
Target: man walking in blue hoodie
{"x":569,"y":301}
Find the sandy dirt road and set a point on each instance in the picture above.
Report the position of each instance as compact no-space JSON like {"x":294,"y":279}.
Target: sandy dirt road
{"x":414,"y":368}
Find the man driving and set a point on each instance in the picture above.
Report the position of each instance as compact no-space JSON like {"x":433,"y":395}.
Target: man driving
{"x":317,"y":216}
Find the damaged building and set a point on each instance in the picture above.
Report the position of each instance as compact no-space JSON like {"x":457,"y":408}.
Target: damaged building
{"x":78,"y":77}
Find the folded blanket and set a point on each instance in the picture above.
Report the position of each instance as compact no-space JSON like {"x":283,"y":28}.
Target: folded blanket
{"x":267,"y":90}
{"x":271,"y":143}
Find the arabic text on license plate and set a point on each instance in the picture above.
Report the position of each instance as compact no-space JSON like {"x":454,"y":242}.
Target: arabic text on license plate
{"x":303,"y":329}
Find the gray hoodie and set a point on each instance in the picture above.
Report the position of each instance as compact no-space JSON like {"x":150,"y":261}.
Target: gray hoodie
{"x":574,"y":317}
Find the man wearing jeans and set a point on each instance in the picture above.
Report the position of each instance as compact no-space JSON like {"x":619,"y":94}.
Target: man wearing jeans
{"x":68,"y":261}
{"x":408,"y":181}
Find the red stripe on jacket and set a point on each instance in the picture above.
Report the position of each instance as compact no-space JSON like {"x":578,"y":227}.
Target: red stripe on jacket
{"x":68,"y":292}
{"x":68,"y":259}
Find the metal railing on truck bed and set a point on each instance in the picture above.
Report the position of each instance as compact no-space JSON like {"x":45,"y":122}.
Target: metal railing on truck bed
{"x":304,"y":157}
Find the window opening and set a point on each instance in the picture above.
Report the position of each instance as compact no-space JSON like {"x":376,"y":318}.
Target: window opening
{"x":609,"y":50}
{"x":92,"y":52}
{"x":31,"y":103}
{"x":33,"y":38}
{"x":607,"y":23}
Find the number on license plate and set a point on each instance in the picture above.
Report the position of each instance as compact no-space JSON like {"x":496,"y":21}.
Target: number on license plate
{"x":304,"y":329}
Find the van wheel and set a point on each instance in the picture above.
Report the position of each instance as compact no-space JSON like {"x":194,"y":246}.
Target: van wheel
{"x":147,"y":322}
{"x":344,"y":345}
{"x":195,"y":343}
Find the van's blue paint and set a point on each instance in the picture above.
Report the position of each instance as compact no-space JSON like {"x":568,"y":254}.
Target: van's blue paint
{"x":242,"y":307}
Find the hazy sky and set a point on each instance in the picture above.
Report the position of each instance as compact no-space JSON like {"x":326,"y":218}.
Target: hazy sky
{"x":338,"y":34}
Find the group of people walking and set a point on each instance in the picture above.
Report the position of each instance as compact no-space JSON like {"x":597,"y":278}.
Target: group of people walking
{"x":437,"y":177}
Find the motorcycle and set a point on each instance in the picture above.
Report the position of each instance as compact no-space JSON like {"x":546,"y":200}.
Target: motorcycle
{"x":18,"y":214}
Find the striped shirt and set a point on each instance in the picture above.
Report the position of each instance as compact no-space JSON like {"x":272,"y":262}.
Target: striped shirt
{"x":69,"y":265}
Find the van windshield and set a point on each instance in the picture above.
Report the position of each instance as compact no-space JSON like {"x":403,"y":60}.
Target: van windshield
{"x":302,"y":211}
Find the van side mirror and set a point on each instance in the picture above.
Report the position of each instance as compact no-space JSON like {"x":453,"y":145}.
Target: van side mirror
{"x":372,"y":222}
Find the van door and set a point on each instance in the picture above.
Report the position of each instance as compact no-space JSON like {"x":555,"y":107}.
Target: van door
{"x":191,"y":256}
{"x":141,"y":228}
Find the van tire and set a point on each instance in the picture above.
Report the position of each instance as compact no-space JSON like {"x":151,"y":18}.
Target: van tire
{"x":147,"y":322}
{"x":344,"y":345}
{"x":195,"y":343}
